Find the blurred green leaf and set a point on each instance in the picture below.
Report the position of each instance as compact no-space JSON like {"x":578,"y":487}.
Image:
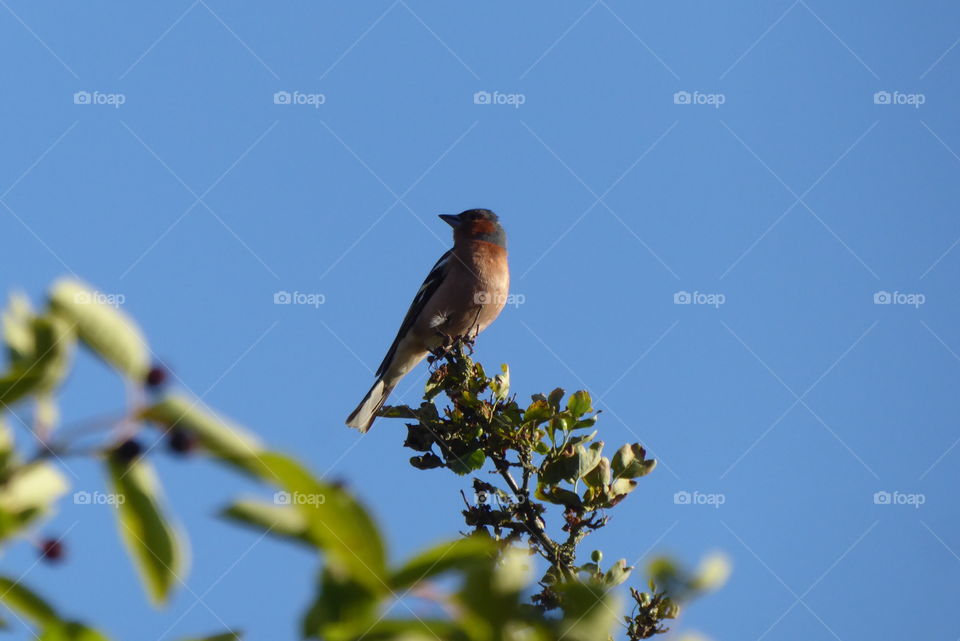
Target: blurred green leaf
{"x":152,"y":542}
{"x":279,"y":520}
{"x":403,"y":630}
{"x":344,"y":609}
{"x":26,"y":603}
{"x":32,"y":486}
{"x":224,"y":636}
{"x":17,"y":334}
{"x":45,"y":367}
{"x":218,"y":436}
{"x":336,"y":520}
{"x":70,"y":631}
{"x":590,"y":611}
{"x":712,"y":573}
{"x":450,"y":555}
{"x":107,"y":331}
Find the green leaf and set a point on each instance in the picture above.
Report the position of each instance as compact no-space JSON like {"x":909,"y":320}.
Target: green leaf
{"x":278,"y":518}
{"x":587,"y":459}
{"x":18,"y":384}
{"x":221,"y":438}
{"x":26,"y":603}
{"x":500,"y":384}
{"x":45,"y":366}
{"x":32,"y":487}
{"x":70,"y":631}
{"x":618,"y":573}
{"x":582,"y":438}
{"x":337,"y":521}
{"x":579,"y":403}
{"x":150,"y":540}
{"x":600,"y":475}
{"x":538,"y":412}
{"x":629,"y":462}
{"x":223,"y":636}
{"x":559,"y":496}
{"x":466,"y":463}
{"x":16,"y":329}
{"x":107,"y":331}
{"x":403,"y":630}
{"x":590,"y":611}
{"x":344,"y":609}
{"x":712,"y":573}
{"x":620,"y":488}
{"x":451,"y":555}
{"x":397,"y":411}
{"x":555,"y":397}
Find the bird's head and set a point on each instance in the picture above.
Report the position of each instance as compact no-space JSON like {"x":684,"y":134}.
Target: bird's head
{"x":476,"y":224}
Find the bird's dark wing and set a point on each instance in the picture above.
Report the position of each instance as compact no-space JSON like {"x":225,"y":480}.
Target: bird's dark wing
{"x":429,"y":287}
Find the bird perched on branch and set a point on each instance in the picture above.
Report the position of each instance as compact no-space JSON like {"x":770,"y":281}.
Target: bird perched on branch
{"x":463,"y":293}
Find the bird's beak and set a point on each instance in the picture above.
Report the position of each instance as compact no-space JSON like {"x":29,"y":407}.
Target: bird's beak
{"x":450,"y":219}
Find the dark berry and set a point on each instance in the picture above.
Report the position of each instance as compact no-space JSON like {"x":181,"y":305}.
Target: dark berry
{"x":156,"y":377}
{"x":181,"y":442}
{"x":51,"y":550}
{"x":127,"y":451}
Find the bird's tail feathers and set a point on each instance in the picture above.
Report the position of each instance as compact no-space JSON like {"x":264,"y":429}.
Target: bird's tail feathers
{"x":362,"y":417}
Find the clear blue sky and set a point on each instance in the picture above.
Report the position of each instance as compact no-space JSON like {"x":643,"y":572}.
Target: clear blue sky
{"x":795,"y":200}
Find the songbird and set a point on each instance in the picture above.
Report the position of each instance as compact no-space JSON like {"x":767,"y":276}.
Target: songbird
{"x":463,"y":293}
